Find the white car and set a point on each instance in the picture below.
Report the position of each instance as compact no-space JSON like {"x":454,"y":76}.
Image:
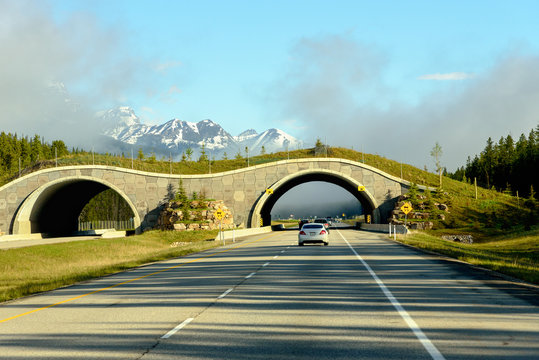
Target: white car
{"x":313,"y":233}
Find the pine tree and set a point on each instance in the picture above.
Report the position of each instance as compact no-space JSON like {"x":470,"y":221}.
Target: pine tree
{"x":189,"y":153}
{"x":181,"y":195}
{"x":413,"y":193}
{"x":203,"y":157}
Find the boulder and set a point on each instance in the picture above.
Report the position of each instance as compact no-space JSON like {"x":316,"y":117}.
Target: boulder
{"x":443,"y":207}
{"x":180,"y":227}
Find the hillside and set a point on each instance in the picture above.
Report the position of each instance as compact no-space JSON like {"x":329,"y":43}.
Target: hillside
{"x":490,"y":214}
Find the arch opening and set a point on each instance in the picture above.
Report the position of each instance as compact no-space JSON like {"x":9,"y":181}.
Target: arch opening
{"x":315,"y":199}
{"x":264,"y":206}
{"x":54,"y":209}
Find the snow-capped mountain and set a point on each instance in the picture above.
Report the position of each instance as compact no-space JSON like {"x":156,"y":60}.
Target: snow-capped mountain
{"x":175,"y":136}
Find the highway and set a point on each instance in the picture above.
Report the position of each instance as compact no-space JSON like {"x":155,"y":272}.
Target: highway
{"x":361,"y":297}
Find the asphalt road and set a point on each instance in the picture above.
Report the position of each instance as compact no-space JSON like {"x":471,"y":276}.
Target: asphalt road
{"x":362,"y":297}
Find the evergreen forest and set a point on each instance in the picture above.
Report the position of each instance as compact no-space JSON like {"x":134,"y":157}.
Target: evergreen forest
{"x":506,"y":166}
{"x":17,"y":153}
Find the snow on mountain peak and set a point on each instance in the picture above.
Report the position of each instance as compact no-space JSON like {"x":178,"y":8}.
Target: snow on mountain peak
{"x":177,"y":135}
{"x":122,"y":116}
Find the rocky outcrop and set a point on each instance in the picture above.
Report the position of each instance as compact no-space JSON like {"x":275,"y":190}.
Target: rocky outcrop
{"x":422,"y":218}
{"x":466,"y":239}
{"x":196,"y":215}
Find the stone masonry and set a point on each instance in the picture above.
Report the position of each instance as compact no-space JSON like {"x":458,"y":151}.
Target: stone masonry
{"x":242,"y":190}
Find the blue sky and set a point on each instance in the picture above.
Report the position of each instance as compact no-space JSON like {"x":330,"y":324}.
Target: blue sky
{"x":391,"y":77}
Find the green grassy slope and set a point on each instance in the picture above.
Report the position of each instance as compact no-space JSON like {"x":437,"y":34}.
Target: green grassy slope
{"x":491,"y":213}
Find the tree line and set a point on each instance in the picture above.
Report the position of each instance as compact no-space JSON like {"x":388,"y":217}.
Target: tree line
{"x":507,"y":165}
{"x":107,"y":205}
{"x":21,"y":152}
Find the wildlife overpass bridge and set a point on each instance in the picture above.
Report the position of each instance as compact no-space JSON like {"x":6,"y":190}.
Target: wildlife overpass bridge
{"x":50,"y":201}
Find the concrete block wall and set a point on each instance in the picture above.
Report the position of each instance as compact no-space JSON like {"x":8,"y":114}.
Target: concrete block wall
{"x":240,"y":189}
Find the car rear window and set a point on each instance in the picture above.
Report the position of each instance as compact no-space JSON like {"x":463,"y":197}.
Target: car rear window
{"x":312,"y":226}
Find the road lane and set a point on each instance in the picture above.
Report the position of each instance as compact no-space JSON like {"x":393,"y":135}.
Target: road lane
{"x":310,"y":302}
{"x":279,"y":300}
{"x":469,"y":313}
{"x":326,"y":305}
{"x":124,"y":321}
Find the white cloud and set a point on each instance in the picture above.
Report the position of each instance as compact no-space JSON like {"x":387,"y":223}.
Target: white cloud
{"x":317,"y":91}
{"x":164,"y":67}
{"x":448,"y":76}
{"x":174,"y":90}
{"x":44,"y":62}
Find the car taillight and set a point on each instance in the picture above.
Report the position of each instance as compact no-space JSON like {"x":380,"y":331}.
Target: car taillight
{"x":322,"y":232}
{"x":302,"y":232}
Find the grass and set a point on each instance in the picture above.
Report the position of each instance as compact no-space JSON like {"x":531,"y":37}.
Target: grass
{"x":515,"y":254}
{"x":29,"y":270}
{"x":491,"y":209}
{"x":495,"y":219}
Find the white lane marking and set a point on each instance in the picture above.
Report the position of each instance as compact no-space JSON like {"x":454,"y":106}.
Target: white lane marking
{"x":266,"y":264}
{"x":250,"y":275}
{"x":179,"y":327}
{"x":225,"y":293}
{"x":283,"y":251}
{"x":427,"y":344}
{"x":276,"y":256}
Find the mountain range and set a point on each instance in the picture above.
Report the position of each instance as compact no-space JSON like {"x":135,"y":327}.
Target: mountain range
{"x":174,"y":137}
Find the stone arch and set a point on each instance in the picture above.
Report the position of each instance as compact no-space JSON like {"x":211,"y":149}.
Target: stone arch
{"x":260,"y":213}
{"x":54,"y":207}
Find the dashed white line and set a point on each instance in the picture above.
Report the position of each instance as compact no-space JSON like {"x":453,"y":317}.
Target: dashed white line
{"x":179,"y":327}
{"x":225,"y":293}
{"x":427,"y":344}
{"x":187,"y":321}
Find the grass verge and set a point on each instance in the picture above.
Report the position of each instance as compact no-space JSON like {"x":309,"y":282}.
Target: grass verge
{"x":516,"y":254}
{"x":34,"y":269}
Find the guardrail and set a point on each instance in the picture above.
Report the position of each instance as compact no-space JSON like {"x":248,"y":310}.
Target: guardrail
{"x":383,"y":228}
{"x":107,"y":224}
{"x":239,"y":233}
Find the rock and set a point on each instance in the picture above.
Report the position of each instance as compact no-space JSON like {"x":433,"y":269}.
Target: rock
{"x":171,"y":216}
{"x":466,"y":239}
{"x":175,"y":204}
{"x":180,"y":227}
{"x":443,"y":207}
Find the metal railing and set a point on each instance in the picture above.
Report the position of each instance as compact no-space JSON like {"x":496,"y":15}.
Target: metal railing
{"x":107,"y":224}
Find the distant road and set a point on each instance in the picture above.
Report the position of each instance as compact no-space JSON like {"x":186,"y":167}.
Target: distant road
{"x":362,"y":297}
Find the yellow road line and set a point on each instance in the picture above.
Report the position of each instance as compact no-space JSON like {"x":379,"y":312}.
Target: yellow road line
{"x":132,"y":280}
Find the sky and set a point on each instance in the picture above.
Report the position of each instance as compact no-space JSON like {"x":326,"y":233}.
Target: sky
{"x":386,"y":77}
{"x":316,"y":199}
